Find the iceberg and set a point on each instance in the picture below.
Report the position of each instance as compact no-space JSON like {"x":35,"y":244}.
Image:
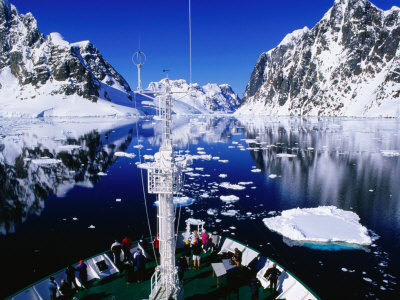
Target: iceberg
{"x":323,"y":224}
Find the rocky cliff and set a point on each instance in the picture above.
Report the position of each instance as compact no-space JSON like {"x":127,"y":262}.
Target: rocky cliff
{"x":33,"y":66}
{"x":348,"y":64}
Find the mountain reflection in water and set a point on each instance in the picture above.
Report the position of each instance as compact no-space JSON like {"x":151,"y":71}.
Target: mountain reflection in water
{"x":54,"y":168}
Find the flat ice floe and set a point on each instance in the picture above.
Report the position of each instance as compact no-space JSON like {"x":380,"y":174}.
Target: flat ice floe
{"x":124,"y":154}
{"x":229,"y":213}
{"x":230,"y":198}
{"x":46,"y":161}
{"x":231,"y":186}
{"x":286,"y":155}
{"x":322,"y":224}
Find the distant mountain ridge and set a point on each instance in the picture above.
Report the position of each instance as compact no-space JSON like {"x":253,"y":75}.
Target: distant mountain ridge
{"x":348,"y":64}
{"x":34,"y":69}
{"x":195,"y":99}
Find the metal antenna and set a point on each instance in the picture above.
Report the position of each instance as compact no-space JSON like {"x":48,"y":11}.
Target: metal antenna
{"x":166,"y":71}
{"x":190,"y":45}
{"x":139,"y":59}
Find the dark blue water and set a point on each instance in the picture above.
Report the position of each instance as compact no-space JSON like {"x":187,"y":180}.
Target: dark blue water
{"x":46,"y":209}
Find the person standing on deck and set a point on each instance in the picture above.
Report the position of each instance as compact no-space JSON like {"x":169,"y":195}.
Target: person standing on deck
{"x":82,"y":269}
{"x":254,"y":288}
{"x":126,"y":246}
{"x":71,"y":279}
{"x":182,"y":267}
{"x":237,"y":257}
{"x":205,"y":240}
{"x":116,"y":249}
{"x":65,"y":290}
{"x":186,"y":252}
{"x":52,"y":288}
{"x":140,"y":262}
{"x":157,"y":246}
{"x":196,"y":255}
{"x":272,"y":275}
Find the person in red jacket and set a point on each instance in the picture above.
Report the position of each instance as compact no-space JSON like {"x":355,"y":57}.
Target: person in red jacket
{"x":157,"y":246}
{"x":126,"y":246}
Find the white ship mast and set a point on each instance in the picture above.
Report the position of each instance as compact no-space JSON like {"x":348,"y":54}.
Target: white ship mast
{"x":164,"y":179}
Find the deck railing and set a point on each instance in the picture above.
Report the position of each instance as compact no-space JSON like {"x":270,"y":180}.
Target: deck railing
{"x":155,"y":283}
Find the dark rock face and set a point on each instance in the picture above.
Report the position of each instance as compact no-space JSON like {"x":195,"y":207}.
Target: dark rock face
{"x":346,"y":65}
{"x":51,"y":65}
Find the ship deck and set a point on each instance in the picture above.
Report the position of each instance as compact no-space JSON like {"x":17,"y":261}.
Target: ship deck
{"x":198,"y":284}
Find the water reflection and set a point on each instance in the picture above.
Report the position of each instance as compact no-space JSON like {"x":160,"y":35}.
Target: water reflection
{"x":352,"y":164}
{"x":40,"y":157}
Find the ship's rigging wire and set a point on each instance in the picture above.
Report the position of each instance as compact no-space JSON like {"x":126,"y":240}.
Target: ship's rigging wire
{"x":143,"y":188}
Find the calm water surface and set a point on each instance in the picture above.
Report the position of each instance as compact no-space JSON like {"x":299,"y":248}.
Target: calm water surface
{"x":58,"y":177}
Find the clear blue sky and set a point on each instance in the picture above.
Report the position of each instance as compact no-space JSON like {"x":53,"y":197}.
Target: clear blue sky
{"x":228,"y":35}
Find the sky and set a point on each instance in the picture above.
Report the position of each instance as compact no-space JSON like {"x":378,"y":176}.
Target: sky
{"x":227,"y":35}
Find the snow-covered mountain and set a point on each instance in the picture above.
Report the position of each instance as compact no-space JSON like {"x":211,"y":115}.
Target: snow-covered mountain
{"x":348,"y":64}
{"x":208,"y":99}
{"x":42,"y":76}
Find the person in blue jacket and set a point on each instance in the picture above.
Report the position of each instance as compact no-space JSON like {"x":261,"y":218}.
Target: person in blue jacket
{"x":52,"y":288}
{"x":140,"y":262}
{"x":82,"y":269}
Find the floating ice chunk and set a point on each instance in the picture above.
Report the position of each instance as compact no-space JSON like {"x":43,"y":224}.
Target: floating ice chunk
{"x":321,"y":224}
{"x":124,"y":154}
{"x":224,"y":161}
{"x":138,"y":146}
{"x":231,"y":186}
{"x":218,"y":220}
{"x":285,"y":155}
{"x":232,"y":227}
{"x":249,"y":213}
{"x":212,"y":211}
{"x":192,"y":221}
{"x":272,"y":212}
{"x":199,"y":169}
{"x":205,"y":195}
{"x":201,"y":152}
{"x":223,"y":175}
{"x":371,"y":190}
{"x":272,"y":176}
{"x":310,"y":148}
{"x":367,"y":279}
{"x":118,"y":200}
{"x":256,"y":170}
{"x":102,"y":174}
{"x":231,"y":147}
{"x":390,"y":153}
{"x":46,"y":161}
{"x":229,"y":213}
{"x":216,"y":157}
{"x":230,"y":198}
{"x":68,"y":147}
{"x":250,"y":141}
{"x":245,"y":182}
{"x":75,"y":218}
{"x":92,"y":227}
{"x":148,"y":157}
{"x":344,"y":269}
{"x":200,"y":149}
